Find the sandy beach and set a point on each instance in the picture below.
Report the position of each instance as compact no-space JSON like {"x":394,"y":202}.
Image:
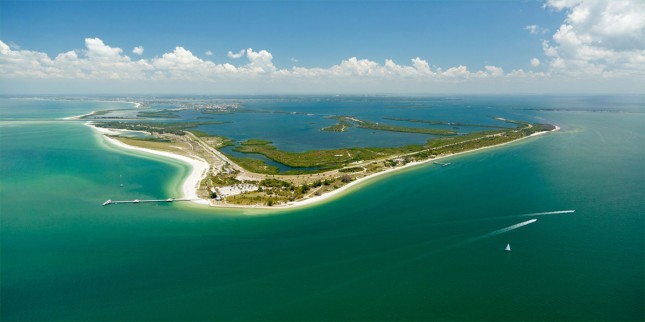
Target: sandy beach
{"x":78,"y":117}
{"x":199,"y":167}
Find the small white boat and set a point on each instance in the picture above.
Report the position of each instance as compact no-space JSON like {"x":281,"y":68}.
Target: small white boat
{"x":109,"y":201}
{"x":508,"y":247}
{"x":136,"y":201}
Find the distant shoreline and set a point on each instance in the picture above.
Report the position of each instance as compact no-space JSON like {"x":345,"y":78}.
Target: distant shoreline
{"x":200,"y":167}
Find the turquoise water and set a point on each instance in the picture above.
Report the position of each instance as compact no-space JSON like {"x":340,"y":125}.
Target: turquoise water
{"x":415,"y":245}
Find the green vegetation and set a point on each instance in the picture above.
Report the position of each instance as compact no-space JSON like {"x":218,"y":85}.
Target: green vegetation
{"x":167,"y":114}
{"x":442,"y":123}
{"x":352,"y":169}
{"x":101,"y":114}
{"x":224,"y":179}
{"x":151,"y":139}
{"x":176,"y":128}
{"x":254,"y":165}
{"x":341,"y":126}
{"x":540,"y":127}
{"x":324,"y":159}
{"x":216,"y":111}
{"x":256,"y":142}
{"x":275,"y":183}
{"x":345,"y":122}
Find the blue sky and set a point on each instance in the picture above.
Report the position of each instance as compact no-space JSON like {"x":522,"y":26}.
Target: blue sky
{"x":500,"y":39}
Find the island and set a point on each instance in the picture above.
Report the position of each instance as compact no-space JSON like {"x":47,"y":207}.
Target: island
{"x":222,"y":179}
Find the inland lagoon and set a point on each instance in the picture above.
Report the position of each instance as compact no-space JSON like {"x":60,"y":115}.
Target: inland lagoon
{"x":427,"y":242}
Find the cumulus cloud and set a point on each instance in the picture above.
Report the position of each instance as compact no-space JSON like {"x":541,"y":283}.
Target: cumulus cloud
{"x":259,"y":62}
{"x":598,"y":37}
{"x":237,"y":55}
{"x":101,"y":61}
{"x":97,"y":49}
{"x":494,"y":71}
{"x":138,"y":50}
{"x":535,"y":62}
{"x":208,"y":53}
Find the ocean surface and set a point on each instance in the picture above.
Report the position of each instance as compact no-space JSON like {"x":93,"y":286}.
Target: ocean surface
{"x":426,"y":243}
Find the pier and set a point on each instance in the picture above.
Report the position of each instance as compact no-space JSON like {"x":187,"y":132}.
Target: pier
{"x":110,"y":201}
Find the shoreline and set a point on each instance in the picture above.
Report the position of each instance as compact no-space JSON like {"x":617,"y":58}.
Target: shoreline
{"x":200,"y":167}
{"x":189,"y":185}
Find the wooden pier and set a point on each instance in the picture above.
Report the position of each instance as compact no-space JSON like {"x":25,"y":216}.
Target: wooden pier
{"x":110,"y":202}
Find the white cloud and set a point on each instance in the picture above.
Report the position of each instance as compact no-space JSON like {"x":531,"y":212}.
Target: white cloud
{"x":138,"y":50}
{"x":421,"y":66}
{"x":101,"y":62}
{"x":535,"y":62}
{"x":460,"y":71}
{"x":97,"y":49}
{"x":208,"y":53}
{"x":598,"y":38}
{"x":494,"y":71}
{"x":520,"y":73}
{"x":535,"y":29}
{"x":235,"y":55}
{"x":259,"y":62}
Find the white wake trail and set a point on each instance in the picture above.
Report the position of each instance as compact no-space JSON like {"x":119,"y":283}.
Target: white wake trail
{"x":559,"y":212}
{"x":535,"y":214}
{"x":505,"y":230}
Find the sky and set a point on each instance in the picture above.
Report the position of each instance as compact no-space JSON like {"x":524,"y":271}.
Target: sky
{"x":321,"y":47}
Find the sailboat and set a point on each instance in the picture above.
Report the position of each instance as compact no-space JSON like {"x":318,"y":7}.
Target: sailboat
{"x":508,"y":247}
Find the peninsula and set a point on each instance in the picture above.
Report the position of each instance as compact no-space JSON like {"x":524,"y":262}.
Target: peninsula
{"x":223,"y":180}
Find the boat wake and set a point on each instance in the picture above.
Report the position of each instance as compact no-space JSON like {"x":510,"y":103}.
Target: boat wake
{"x":487,"y":235}
{"x":535,"y":214}
{"x":559,"y":212}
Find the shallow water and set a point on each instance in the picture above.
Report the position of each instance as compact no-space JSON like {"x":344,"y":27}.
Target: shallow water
{"x":418,"y":245}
